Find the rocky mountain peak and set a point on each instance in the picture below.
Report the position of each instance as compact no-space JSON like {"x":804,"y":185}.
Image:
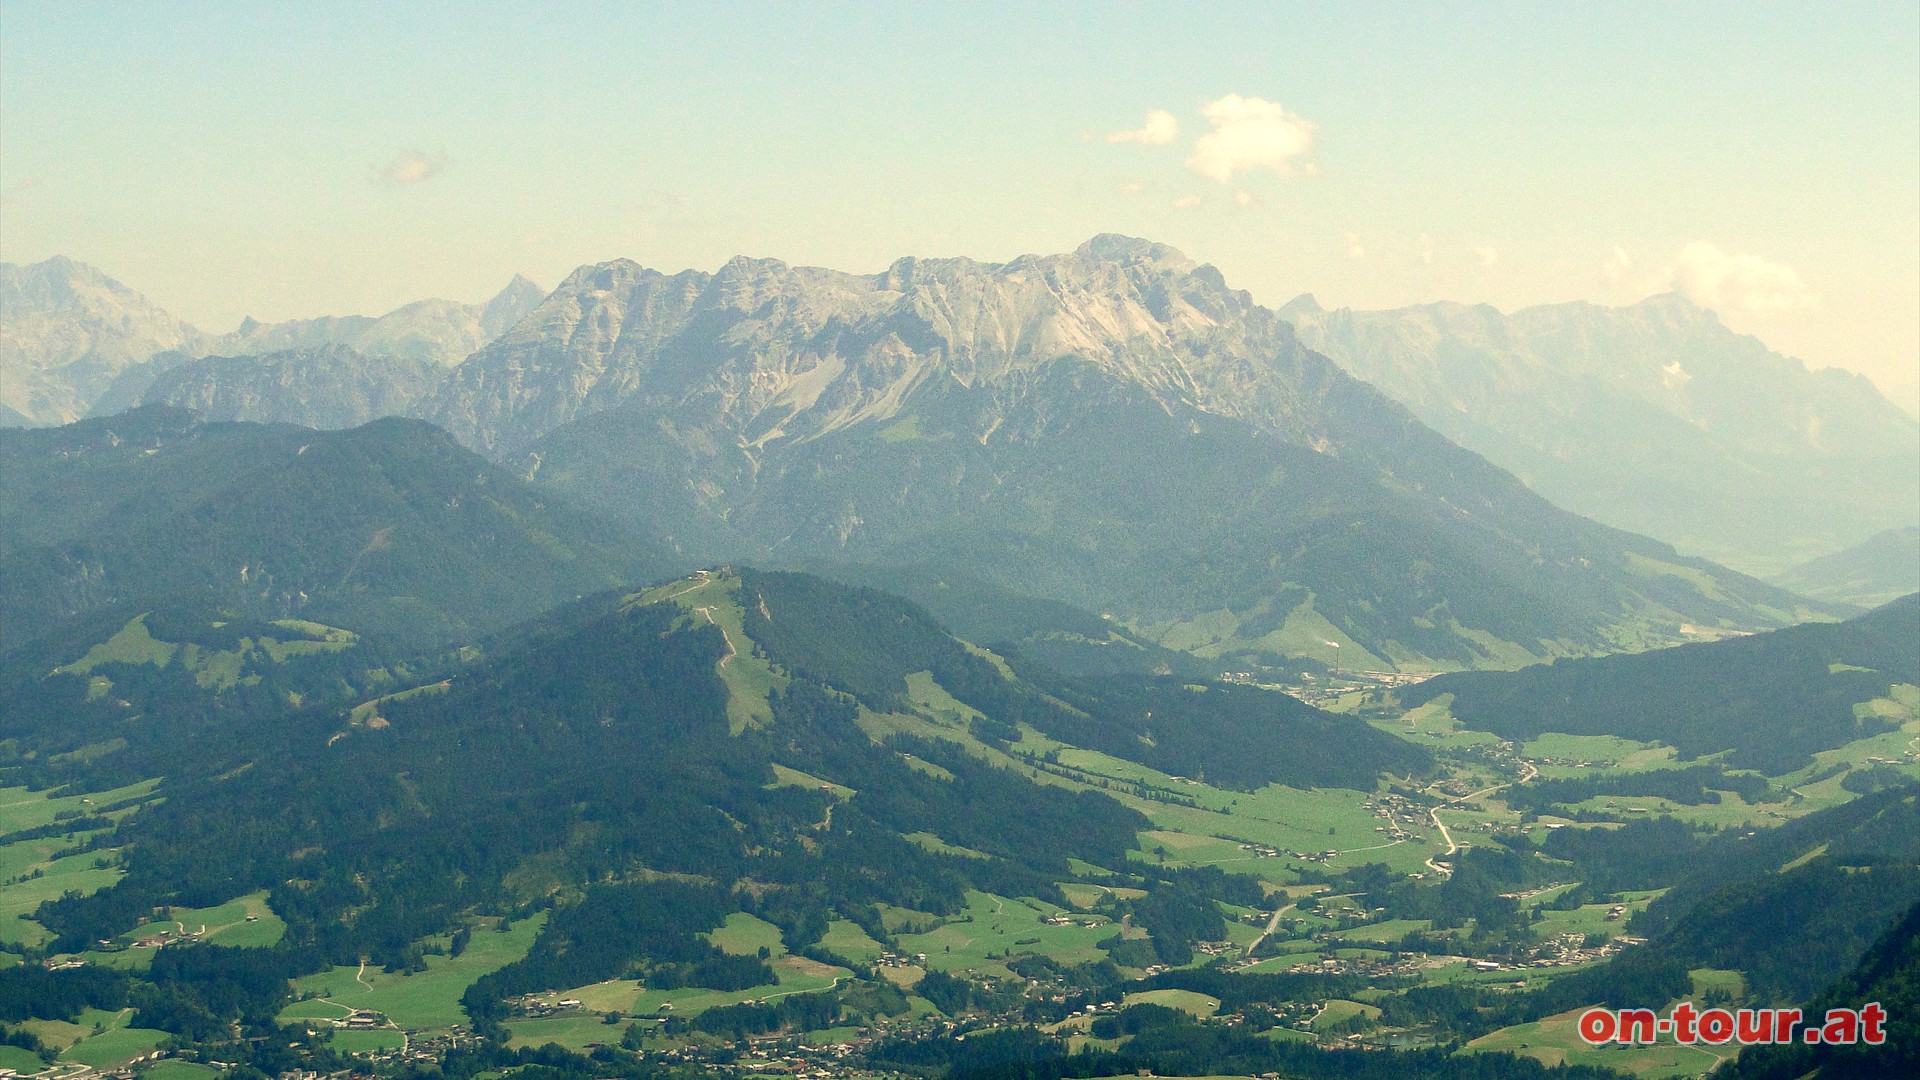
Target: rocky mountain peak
{"x":509,"y":306}
{"x":794,"y":352}
{"x":66,"y":330}
{"x":1115,"y":247}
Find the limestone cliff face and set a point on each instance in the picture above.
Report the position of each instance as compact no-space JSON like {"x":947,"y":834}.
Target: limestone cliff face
{"x":328,"y":387}
{"x":66,"y":330}
{"x":770,"y":352}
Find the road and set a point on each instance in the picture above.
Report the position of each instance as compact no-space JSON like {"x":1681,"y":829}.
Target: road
{"x":786,"y":993}
{"x":708,"y":612}
{"x":1272,"y":925}
{"x":1445,"y":871}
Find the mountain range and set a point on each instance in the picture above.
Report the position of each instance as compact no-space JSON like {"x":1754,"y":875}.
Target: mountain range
{"x":75,"y":342}
{"x":1114,"y":428}
{"x":67,"y":331}
{"x":1771,"y":699}
{"x":1653,"y":417}
{"x":325,"y":386}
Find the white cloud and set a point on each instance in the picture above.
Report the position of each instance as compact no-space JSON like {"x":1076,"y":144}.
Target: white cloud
{"x":1488,"y":256}
{"x":1244,"y":198}
{"x":1619,"y":266}
{"x":1187,"y":202}
{"x":1426,"y":249}
{"x":1161,"y":128}
{"x":1249,"y":134}
{"x":1130,"y":187}
{"x":1716,"y":279}
{"x":1355,"y":249}
{"x":410,"y":167}
{"x":1713,"y":278}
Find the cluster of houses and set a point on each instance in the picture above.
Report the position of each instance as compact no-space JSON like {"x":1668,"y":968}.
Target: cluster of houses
{"x":900,"y":960}
{"x":535,"y":1006}
{"x":361,"y":1020}
{"x":1267,"y":851}
{"x":1400,"y":816}
{"x":1068,"y":918}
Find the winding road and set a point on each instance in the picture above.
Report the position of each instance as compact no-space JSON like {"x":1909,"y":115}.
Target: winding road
{"x":1531,"y":771}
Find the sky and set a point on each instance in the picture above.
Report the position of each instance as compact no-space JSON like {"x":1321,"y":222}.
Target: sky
{"x":286,"y":161}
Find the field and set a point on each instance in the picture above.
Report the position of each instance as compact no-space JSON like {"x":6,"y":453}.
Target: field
{"x":847,"y":940}
{"x":114,"y":1047}
{"x":1211,"y":831}
{"x":990,"y":929}
{"x":223,"y":925}
{"x":1554,"y":1041}
{"x":95,"y":1038}
{"x":1600,"y":751}
{"x":179,"y":1070}
{"x":32,"y":878}
{"x":1186,"y":1001}
{"x":20,"y":1061}
{"x":368,"y":1042}
{"x":744,"y":935}
{"x":794,"y":975}
{"x":429,"y":1000}
{"x":21,"y":808}
{"x":1339,"y":1011}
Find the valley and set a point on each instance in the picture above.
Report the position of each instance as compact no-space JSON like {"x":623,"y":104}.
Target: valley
{"x":950,"y":542}
{"x":1325,"y":892}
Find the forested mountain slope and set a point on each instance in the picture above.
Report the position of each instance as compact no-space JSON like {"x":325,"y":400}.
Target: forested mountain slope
{"x":1880,"y":568}
{"x":390,"y":528}
{"x":1772,"y":699}
{"x":735,"y":727}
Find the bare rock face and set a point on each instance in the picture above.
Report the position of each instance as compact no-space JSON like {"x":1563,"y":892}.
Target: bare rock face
{"x":329,"y":387}
{"x":794,"y":353}
{"x":1652,"y":417}
{"x":66,"y":330}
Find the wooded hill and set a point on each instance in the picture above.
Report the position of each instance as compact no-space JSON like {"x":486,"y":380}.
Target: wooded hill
{"x":1772,"y":699}
{"x":624,"y":737}
{"x":390,"y":529}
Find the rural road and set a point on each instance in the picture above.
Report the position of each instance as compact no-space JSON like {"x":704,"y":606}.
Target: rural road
{"x":785,"y":993}
{"x":1443,"y":871}
{"x":708,"y":612}
{"x":1272,"y":925}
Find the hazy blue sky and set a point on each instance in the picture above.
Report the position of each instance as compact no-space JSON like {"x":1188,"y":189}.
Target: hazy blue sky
{"x":336,"y":158}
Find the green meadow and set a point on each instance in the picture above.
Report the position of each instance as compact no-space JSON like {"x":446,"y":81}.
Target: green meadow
{"x":992,"y":929}
{"x":427,"y":1000}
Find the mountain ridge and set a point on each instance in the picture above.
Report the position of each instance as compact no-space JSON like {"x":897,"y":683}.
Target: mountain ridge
{"x":1653,"y":417}
{"x":959,"y":408}
{"x":74,"y":342}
